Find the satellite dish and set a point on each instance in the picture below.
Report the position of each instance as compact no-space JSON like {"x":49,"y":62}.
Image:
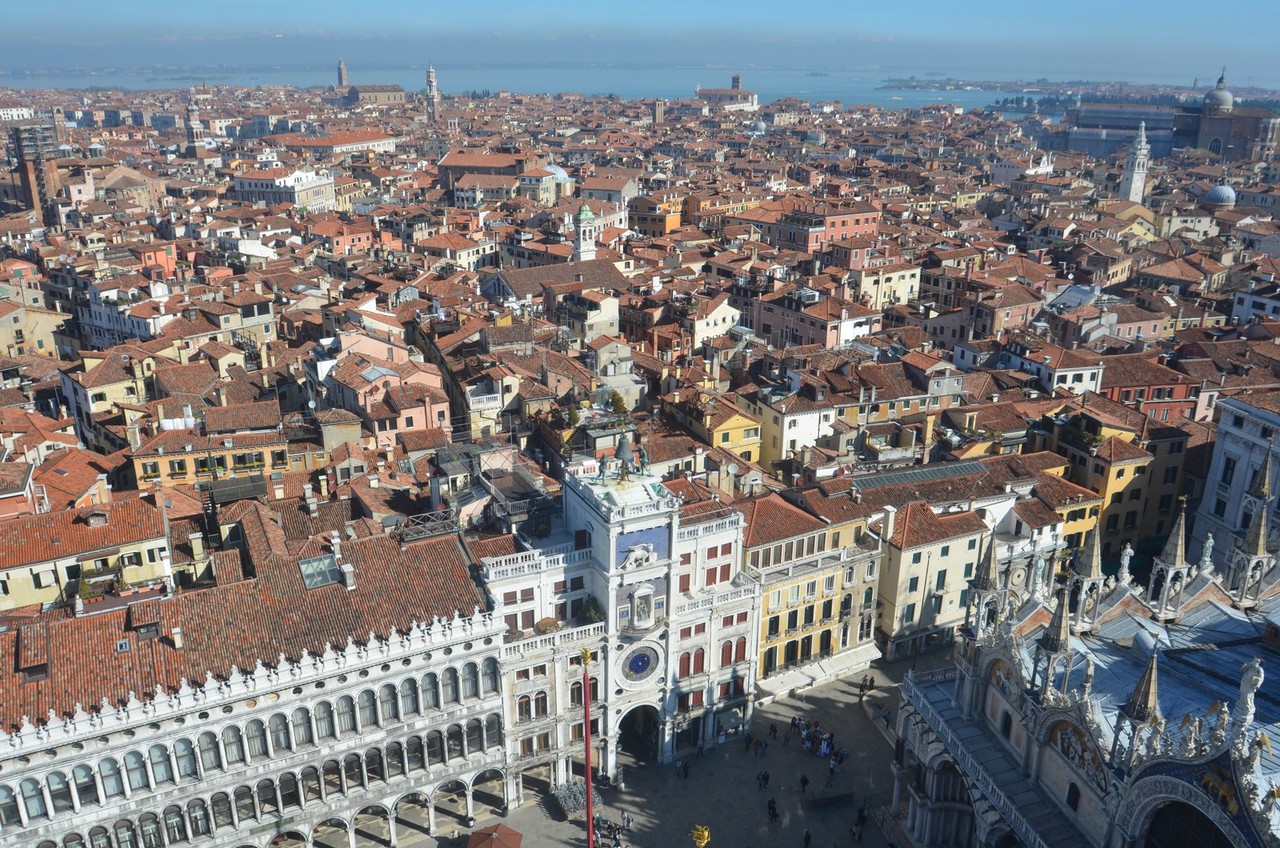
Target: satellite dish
{"x":311,"y":404}
{"x":733,"y":468}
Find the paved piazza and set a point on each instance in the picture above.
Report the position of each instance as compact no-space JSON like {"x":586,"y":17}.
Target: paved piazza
{"x":721,"y":790}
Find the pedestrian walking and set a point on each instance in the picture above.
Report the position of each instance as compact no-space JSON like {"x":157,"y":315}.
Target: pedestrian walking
{"x":678,"y":764}
{"x":760,"y":780}
{"x":686,"y":769}
{"x":807,"y":837}
{"x":773,"y":810}
{"x":804,"y":783}
{"x":773,"y":730}
{"x":746,"y":741}
{"x":766,"y":779}
{"x":764,"y":748}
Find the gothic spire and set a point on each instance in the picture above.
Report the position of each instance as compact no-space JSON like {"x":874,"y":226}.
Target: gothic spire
{"x":1143,"y":706}
{"x":1255,"y":542}
{"x":1091,"y":562}
{"x":985,"y":579}
{"x":1174,"y":554}
{"x":1056,"y":638}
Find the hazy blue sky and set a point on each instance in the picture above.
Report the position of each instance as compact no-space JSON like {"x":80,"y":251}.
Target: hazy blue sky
{"x":1170,"y":41}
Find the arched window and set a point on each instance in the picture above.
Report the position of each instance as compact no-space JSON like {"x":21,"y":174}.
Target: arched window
{"x":346,"y":714}
{"x":415,"y":754}
{"x":8,"y":807}
{"x":331,"y":776}
{"x":699,"y":661}
{"x":740,"y":649}
{"x":353,"y":766}
{"x":1215,"y":146}
{"x":395,"y":760}
{"x":221,"y":805}
{"x":99,"y":838}
{"x":185,"y":754}
{"x":470,"y":681}
{"x":575,"y":693}
{"x":161,"y":769}
{"x":1073,"y":797}
{"x":256,"y":731}
{"x":493,"y":731}
{"x":280,"y":732}
{"x":135,"y":768}
{"x":310,"y":784}
{"x":409,"y":697}
{"x":431,"y":691}
{"x":489,"y":676}
{"x":324,"y":720}
{"x":595,"y":689}
{"x":32,"y":799}
{"x":540,"y":708}
{"x":524,"y":708}
{"x":450,"y":693}
{"x":59,"y":791}
{"x":682,"y":668}
{"x":726,"y":653}
{"x":233,"y":744}
{"x":289,"y":796}
{"x":73,"y":840}
{"x":435,"y":748}
{"x":1006,"y":725}
{"x":209,"y":756}
{"x":244,"y":803}
{"x":198,"y":814}
{"x":302,"y":727}
{"x":373,"y":765}
{"x":475,"y":736}
{"x":112,"y":781}
{"x":867,"y":595}
{"x":149,"y":830}
{"x":368,"y":709}
{"x":86,"y":786}
{"x":174,"y":826}
{"x":267,"y":802}
{"x":454,"y":740}
{"x":388,"y":703}
{"x":126,"y":836}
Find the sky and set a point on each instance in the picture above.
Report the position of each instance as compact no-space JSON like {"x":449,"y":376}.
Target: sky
{"x":1135,"y":40}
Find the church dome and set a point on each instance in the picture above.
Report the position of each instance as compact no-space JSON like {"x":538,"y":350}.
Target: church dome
{"x":1219,"y":99}
{"x":1219,"y":195}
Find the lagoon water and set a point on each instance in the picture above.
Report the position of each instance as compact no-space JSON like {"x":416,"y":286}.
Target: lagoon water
{"x":850,"y":87}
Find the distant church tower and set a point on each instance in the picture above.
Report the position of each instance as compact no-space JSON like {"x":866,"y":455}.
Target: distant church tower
{"x":342,"y":74}
{"x":1134,"y":182}
{"x":584,"y":235}
{"x":195,"y":130}
{"x":433,"y":94}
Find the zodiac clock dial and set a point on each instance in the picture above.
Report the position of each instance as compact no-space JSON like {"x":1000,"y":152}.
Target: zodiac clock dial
{"x":640,"y":663}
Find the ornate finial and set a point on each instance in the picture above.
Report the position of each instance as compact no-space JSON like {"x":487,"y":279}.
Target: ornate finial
{"x":1057,"y":636}
{"x":701,"y":835}
{"x":985,"y":579}
{"x":1143,"y":706}
{"x":1174,"y":554}
{"x":1090,"y":565}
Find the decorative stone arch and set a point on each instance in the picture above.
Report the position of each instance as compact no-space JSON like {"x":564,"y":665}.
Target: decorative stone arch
{"x":287,"y":839}
{"x":1148,"y":794}
{"x":1215,"y":145}
{"x":1050,"y":718}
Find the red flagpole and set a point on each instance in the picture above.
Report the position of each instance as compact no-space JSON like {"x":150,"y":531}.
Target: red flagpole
{"x":586,"y":726}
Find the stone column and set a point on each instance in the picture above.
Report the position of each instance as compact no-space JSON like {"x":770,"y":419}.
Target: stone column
{"x":431,"y":817}
{"x":391,"y":829}
{"x":97,"y":781}
{"x":351,"y":835}
{"x":897,"y":787}
{"x":75,"y":792}
{"x":471,"y":807}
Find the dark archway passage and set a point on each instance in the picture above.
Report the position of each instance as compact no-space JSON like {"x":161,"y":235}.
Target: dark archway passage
{"x":1180,"y":825}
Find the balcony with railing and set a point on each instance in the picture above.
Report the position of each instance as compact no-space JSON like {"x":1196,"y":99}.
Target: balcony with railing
{"x":577,"y":636}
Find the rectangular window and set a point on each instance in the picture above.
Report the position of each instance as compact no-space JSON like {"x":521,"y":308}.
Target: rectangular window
{"x":909,"y":614}
{"x":941,"y":582}
{"x":913,"y":584}
{"x":915,"y":558}
{"x":946,"y":549}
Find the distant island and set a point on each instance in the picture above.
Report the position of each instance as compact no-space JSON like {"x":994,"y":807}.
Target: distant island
{"x":818,"y":74}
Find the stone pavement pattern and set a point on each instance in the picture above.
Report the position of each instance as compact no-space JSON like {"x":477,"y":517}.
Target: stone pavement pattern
{"x":721,"y":790}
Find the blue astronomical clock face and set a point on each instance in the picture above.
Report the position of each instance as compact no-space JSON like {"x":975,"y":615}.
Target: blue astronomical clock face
{"x":640,"y":664}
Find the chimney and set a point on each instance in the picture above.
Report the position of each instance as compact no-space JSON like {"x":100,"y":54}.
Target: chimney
{"x":196,"y":541}
{"x":890,"y":513}
{"x":177,"y":637}
{"x":335,"y":542}
{"x":349,"y":576}
{"x":324,"y":486}
{"x":277,"y":489}
{"x":374,"y":481}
